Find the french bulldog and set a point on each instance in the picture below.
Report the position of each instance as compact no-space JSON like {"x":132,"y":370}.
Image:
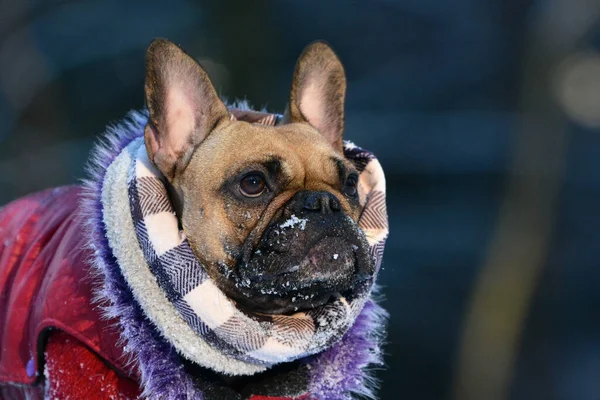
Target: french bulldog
{"x":270,"y":211}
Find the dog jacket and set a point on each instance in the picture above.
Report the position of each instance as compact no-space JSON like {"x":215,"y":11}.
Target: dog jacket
{"x":67,"y":313}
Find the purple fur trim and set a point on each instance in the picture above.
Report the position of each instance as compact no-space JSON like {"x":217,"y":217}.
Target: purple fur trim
{"x":343,"y":370}
{"x":159,"y":366}
{"x":335,"y":374}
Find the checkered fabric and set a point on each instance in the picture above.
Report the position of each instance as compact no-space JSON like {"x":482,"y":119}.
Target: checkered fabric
{"x":256,"y":338}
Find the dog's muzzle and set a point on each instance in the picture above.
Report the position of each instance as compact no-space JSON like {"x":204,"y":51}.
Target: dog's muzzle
{"x":313,"y":253}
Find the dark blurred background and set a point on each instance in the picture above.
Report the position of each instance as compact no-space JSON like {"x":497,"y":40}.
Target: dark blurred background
{"x":484,"y":114}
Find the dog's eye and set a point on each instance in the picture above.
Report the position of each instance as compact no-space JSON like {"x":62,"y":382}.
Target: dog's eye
{"x":253,"y":184}
{"x":351,"y":186}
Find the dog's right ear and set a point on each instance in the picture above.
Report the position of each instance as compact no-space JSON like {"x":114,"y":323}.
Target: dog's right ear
{"x":183,"y":105}
{"x":318,"y":93}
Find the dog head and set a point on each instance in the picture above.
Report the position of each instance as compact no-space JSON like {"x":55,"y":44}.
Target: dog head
{"x":270,"y":211}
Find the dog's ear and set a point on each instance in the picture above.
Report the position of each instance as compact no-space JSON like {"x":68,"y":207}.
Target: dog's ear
{"x":183,"y":105}
{"x":318,"y":92}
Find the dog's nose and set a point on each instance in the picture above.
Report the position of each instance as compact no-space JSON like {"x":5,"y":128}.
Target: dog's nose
{"x":324,"y":202}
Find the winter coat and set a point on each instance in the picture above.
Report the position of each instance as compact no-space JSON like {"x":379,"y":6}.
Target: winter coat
{"x":54,"y":341}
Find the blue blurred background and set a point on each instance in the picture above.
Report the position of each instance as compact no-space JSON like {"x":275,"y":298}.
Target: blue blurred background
{"x":484,"y":114}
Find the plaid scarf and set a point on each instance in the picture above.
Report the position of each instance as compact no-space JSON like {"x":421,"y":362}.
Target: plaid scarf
{"x":257,"y":341}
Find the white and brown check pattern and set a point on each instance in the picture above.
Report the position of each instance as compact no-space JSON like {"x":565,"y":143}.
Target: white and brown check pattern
{"x":263,"y":339}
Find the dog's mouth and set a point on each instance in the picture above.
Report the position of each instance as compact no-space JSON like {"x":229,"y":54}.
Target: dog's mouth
{"x":324,"y":274}
{"x":303,"y":268}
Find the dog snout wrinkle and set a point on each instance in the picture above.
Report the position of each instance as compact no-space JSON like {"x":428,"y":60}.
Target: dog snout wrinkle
{"x":324,"y":202}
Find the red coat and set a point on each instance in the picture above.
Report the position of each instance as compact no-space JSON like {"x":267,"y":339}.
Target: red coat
{"x":45,"y":304}
{"x":47,"y":322}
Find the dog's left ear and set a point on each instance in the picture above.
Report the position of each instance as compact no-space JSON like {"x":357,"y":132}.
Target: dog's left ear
{"x":183,"y":105}
{"x":318,"y":92}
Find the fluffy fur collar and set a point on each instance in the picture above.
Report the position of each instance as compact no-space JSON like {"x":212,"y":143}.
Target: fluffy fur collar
{"x":336,"y":373}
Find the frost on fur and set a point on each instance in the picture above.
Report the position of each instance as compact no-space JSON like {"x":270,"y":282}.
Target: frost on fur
{"x":346,"y":369}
